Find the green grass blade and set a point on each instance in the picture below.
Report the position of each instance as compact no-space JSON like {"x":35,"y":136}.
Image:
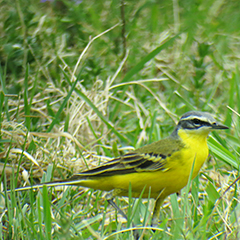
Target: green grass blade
{"x":138,"y":67}
{"x":177,"y":217}
{"x":47,"y":213}
{"x":25,"y":97}
{"x":56,"y":119}
{"x":95,"y":109}
{"x":222,"y":153}
{"x":231,"y":94}
{"x":213,"y":194}
{"x":183,"y":99}
{"x":39,"y":216}
{"x":195,"y":197}
{"x":236,"y":90}
{"x":106,"y":151}
{"x":3,"y":84}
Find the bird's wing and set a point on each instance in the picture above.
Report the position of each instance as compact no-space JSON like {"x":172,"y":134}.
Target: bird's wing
{"x":152,"y":157}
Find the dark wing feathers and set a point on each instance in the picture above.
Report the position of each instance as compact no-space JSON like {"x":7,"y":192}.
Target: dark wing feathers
{"x":152,"y":157}
{"x":130,"y":163}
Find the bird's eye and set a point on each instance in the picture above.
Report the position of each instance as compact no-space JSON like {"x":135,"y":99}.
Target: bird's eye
{"x":196,"y":121}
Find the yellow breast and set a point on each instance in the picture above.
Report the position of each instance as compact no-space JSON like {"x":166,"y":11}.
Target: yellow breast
{"x":173,"y":178}
{"x":196,"y":150}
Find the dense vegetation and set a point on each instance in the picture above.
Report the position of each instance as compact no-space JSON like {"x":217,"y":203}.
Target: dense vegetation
{"x":85,"y":81}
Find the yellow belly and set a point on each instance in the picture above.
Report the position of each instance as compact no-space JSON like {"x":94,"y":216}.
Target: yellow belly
{"x":179,"y":166}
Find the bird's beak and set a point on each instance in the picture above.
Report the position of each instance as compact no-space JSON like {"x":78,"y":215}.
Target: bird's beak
{"x":217,"y":125}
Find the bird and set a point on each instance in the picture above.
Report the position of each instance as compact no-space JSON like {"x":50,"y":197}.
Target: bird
{"x":162,"y":167}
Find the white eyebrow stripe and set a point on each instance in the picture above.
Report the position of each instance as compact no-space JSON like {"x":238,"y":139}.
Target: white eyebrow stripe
{"x":202,"y":118}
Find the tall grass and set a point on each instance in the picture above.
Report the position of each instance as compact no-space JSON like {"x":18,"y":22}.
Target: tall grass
{"x":70,"y":99}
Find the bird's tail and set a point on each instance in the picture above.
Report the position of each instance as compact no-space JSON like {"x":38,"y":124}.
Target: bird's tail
{"x":66,"y":182}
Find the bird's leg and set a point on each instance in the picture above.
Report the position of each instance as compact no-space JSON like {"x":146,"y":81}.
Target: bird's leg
{"x":119,"y":210}
{"x":156,"y":210}
{"x":110,"y":197}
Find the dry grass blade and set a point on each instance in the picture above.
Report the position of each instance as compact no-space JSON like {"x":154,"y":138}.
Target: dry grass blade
{"x":57,"y":135}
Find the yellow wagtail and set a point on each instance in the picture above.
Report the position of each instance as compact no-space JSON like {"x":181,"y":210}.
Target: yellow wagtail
{"x":163,"y":166}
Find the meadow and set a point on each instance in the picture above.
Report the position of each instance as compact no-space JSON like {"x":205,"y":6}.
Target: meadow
{"x":83,"y":82}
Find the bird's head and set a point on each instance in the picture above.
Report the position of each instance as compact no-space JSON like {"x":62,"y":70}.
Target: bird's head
{"x":201,"y":123}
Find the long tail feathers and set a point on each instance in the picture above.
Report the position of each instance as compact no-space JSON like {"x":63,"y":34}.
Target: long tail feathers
{"x":65,"y":182}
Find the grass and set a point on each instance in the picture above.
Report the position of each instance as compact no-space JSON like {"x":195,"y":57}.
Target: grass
{"x":73,"y":96}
